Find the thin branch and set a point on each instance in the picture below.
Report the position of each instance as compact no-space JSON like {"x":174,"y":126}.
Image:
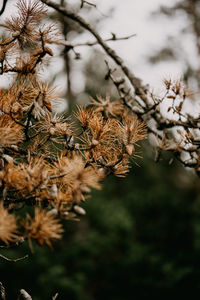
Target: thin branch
{"x":88,"y":3}
{"x":68,"y":62}
{"x":3,"y":7}
{"x":135,"y":81}
{"x":113,"y":38}
{"x":13,"y":260}
{"x":16,"y":121}
{"x":9,"y":42}
{"x":58,"y":176}
{"x":83,"y":2}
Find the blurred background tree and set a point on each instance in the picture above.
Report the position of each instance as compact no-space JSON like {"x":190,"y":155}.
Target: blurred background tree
{"x":184,"y":46}
{"x":140,"y":237}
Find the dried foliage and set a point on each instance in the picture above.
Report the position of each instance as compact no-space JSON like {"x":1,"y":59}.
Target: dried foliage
{"x":43,"y":227}
{"x":48,"y":161}
{"x":8,"y":226}
{"x":169,"y":122}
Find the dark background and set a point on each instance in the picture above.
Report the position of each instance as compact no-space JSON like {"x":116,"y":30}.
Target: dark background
{"x":141,"y":236}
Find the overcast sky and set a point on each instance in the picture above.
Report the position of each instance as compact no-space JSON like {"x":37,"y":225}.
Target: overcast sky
{"x":135,"y":16}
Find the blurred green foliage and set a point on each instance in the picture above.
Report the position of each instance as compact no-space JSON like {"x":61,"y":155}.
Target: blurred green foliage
{"x":141,"y":236}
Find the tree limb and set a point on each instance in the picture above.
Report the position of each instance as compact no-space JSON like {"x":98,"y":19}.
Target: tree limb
{"x":13,"y":260}
{"x":3,"y":7}
{"x":135,"y":81}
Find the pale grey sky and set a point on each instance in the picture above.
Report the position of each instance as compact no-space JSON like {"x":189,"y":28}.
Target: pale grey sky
{"x":133,"y":16}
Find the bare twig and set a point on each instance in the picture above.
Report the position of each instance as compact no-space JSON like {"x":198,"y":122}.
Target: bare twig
{"x":3,"y":7}
{"x":88,"y":3}
{"x":83,"y":2}
{"x":113,"y":38}
{"x":13,"y":260}
{"x":58,"y":176}
{"x":9,"y":42}
{"x":135,"y":81}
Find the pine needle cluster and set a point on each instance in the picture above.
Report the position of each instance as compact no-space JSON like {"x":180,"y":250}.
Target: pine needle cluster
{"x":48,"y":161}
